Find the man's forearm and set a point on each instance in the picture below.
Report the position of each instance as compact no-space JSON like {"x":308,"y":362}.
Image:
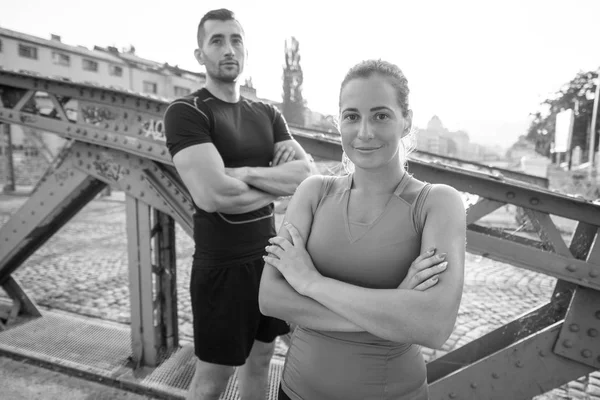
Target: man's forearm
{"x":249,"y":200}
{"x":281,"y":180}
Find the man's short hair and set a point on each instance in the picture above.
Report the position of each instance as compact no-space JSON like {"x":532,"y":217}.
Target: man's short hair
{"x":222,"y":14}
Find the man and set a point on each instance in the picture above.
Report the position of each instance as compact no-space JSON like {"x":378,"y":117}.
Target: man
{"x":235,"y":156}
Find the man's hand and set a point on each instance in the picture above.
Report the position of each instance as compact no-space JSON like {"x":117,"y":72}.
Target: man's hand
{"x":423,"y":272}
{"x":282,"y":155}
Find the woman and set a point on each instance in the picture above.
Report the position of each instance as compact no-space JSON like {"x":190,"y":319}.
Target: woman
{"x":338,"y":269}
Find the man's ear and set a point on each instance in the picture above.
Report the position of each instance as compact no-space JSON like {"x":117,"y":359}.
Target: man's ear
{"x":199,"y":56}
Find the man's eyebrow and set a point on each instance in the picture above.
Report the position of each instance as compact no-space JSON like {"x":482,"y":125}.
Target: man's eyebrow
{"x":350,"y":109}
{"x":381,"y":108}
{"x":217,"y":36}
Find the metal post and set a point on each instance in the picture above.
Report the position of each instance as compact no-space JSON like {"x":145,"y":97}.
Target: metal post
{"x":10,"y":170}
{"x":165,"y":268}
{"x":591,"y":151}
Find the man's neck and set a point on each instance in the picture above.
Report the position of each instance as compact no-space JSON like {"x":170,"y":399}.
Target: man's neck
{"x":226,"y":91}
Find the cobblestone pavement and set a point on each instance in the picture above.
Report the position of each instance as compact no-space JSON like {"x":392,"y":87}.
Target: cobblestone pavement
{"x":83,"y":269}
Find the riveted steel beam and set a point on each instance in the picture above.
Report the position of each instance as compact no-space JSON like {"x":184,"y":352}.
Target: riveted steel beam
{"x":482,"y":208}
{"x":566,"y":268}
{"x":519,"y":371}
{"x":548,"y":231}
{"x":138,"y":177}
{"x":65,"y":192}
{"x":494,"y":341}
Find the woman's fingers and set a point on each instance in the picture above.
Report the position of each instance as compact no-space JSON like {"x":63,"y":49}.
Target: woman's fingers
{"x":428,"y":273}
{"x":297,"y":240}
{"x":427,"y":284}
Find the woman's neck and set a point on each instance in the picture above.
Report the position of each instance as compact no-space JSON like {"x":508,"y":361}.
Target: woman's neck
{"x":382,"y":180}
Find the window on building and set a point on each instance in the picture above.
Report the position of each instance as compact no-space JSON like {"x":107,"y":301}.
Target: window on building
{"x":28,"y":51}
{"x":150,"y":87}
{"x":89,"y":65}
{"x":181,"y":91}
{"x":61,"y":58}
{"x":116,"y":70}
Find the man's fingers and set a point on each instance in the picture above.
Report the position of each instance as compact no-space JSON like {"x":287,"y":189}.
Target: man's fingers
{"x":427,"y":284}
{"x":297,"y":240}
{"x":290,"y":155}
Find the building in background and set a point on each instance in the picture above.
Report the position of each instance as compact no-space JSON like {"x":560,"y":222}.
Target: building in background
{"x":103,"y":66}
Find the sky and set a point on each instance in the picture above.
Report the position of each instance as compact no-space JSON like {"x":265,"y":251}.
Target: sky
{"x":480,"y":66}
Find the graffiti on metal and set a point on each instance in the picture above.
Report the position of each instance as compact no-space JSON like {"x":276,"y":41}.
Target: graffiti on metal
{"x":94,"y":115}
{"x":154,"y":129}
{"x":110,"y":169}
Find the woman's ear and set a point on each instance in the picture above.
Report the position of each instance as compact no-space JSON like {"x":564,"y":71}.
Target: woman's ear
{"x":408,"y":123}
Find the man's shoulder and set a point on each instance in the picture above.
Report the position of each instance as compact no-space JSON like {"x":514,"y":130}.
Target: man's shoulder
{"x":258,"y":104}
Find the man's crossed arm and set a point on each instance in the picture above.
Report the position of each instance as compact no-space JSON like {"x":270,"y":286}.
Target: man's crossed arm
{"x":238,"y":190}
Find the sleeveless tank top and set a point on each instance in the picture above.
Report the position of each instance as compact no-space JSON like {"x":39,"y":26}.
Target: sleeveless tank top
{"x":323,"y":365}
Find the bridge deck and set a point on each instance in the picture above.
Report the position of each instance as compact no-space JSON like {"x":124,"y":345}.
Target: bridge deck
{"x":99,"y":350}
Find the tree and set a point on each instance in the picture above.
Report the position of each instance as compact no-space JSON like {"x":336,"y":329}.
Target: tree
{"x":578,"y":95}
{"x":293,"y":102}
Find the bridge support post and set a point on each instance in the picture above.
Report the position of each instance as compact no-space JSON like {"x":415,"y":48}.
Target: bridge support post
{"x":152,"y":283}
{"x":10,"y":168}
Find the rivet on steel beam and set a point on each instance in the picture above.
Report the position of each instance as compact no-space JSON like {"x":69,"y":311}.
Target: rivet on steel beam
{"x":510,"y":195}
{"x":128,"y":187}
{"x":593,"y":273}
{"x":72,"y":173}
{"x":473,"y":385}
{"x":6,"y":239}
{"x":51,"y":193}
{"x":452,"y":395}
{"x":127,"y":156}
{"x":115,"y":139}
{"x":89,"y":166}
{"x":98,"y":157}
{"x":542,"y":353}
{"x":571,"y":268}
{"x":10,"y":115}
{"x":534,"y":201}
{"x":80,"y":162}
{"x":164,"y":203}
{"x":116,"y":128}
{"x":592,"y":332}
{"x":105,"y":137}
{"x":125,"y":141}
{"x":96,"y":135}
{"x":176,"y":192}
{"x":77,"y":154}
{"x":169,"y":184}
{"x":149,"y":148}
{"x":163,"y":152}
{"x":33,"y":213}
{"x":139,"y":146}
{"x":155,"y":168}
{"x":68,"y":127}
{"x":142,"y":177}
{"x":23,"y":222}
{"x":126,"y":172}
{"x":519,"y":364}
{"x":84,"y":132}
{"x":574,"y":328}
{"x":89,"y":153}
{"x":568,"y":344}
{"x":126,"y":128}
{"x":586,"y":353}
{"x":597,"y":314}
{"x":124,"y":115}
{"x":14,"y":231}
{"x":77,"y":130}
{"x":140,"y":131}
{"x":139,"y":118}
{"x":495,"y":375}
{"x":41,"y":203}
{"x":106,"y":125}
{"x":141,"y":194}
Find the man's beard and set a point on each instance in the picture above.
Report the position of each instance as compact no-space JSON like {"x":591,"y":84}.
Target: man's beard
{"x":223,"y":77}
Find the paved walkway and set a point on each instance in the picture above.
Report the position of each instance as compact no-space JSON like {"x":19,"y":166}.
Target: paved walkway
{"x":83,"y":269}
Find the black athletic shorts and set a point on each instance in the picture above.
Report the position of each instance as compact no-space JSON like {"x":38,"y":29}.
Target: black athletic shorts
{"x":227,"y":319}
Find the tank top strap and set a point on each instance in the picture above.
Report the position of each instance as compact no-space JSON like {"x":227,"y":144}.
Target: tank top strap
{"x":325,"y":188}
{"x":418,"y":206}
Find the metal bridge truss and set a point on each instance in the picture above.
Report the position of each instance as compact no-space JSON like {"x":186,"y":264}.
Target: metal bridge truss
{"x":118,"y":140}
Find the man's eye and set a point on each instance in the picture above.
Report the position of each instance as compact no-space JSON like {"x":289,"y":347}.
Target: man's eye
{"x":350,"y":117}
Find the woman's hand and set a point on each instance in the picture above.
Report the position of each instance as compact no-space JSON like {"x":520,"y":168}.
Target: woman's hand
{"x":292,"y":260}
{"x":423,"y":272}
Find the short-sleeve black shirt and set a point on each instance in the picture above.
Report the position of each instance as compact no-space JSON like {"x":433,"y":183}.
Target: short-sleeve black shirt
{"x":244,"y":134}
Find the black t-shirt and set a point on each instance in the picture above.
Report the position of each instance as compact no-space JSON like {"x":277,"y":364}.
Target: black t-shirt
{"x":244,"y":133}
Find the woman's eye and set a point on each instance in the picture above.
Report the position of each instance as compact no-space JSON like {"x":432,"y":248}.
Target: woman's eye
{"x":381,"y":116}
